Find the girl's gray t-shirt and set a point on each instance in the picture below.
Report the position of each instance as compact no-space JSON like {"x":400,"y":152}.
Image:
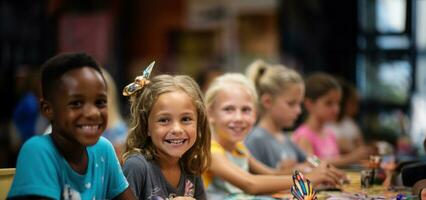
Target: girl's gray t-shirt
{"x":265,"y":148}
{"x":147,"y":182}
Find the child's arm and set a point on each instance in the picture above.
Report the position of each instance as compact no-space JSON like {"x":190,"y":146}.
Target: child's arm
{"x":357,"y":155}
{"x":249,"y":183}
{"x":318,"y":175}
{"x":256,"y":167}
{"x":305,"y":145}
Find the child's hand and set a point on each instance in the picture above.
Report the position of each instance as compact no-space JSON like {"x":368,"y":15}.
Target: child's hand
{"x":363,"y":152}
{"x":325,"y":173}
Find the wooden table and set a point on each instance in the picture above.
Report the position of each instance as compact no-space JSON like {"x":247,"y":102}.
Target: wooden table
{"x":353,"y":190}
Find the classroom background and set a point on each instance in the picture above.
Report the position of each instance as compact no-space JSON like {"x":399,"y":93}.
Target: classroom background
{"x":378,"y":45}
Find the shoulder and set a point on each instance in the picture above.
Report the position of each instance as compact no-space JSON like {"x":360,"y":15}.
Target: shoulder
{"x":38,"y":145}
{"x":242,"y":149}
{"x":38,"y":141}
{"x":259,"y":137}
{"x":103,"y":149}
{"x":217,"y":148}
{"x":38,"y":149}
{"x":103,"y":143}
{"x":103,"y":146}
{"x":256,"y":133}
{"x":136,"y":161}
{"x":136,"y":158}
{"x":301,"y":131}
{"x":330,"y":133}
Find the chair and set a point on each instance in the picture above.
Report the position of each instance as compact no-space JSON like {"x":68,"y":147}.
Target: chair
{"x":6,"y":178}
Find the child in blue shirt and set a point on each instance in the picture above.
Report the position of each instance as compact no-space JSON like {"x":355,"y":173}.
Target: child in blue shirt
{"x":74,"y":161}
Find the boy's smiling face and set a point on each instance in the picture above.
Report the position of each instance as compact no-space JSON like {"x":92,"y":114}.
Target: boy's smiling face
{"x":78,"y":107}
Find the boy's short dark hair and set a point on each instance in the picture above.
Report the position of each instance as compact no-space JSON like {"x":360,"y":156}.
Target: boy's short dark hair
{"x":55,"y":67}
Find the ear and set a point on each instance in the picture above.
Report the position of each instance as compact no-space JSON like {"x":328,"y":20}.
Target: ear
{"x":266,"y":101}
{"x":46,"y":109}
{"x":210,"y":111}
{"x":308,"y":103}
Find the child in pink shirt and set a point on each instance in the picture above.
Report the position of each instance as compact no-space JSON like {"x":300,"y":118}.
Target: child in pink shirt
{"x":322,"y":98}
{"x":324,"y":145}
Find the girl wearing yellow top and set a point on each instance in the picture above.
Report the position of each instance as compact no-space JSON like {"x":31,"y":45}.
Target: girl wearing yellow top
{"x":234,"y":173}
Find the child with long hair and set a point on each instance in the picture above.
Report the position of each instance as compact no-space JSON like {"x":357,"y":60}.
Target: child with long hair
{"x":281,"y":91}
{"x":348,"y":133}
{"x":168,"y":146}
{"x":74,"y":161}
{"x":322,"y":99}
{"x":234,"y":173}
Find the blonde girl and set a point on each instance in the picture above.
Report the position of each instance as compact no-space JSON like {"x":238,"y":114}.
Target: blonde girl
{"x":233,"y":173}
{"x":281,"y":91}
{"x":169,"y":140}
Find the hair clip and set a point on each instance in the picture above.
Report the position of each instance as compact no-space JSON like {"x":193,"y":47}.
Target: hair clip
{"x":140,"y":81}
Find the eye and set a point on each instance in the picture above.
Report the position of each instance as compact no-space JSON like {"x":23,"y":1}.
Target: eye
{"x":187,"y":119}
{"x":329,"y":103}
{"x":76,"y":104}
{"x":292,"y":103}
{"x":228,"y":109}
{"x":247,"y":109}
{"x":163,"y":120}
{"x":101,"y":103}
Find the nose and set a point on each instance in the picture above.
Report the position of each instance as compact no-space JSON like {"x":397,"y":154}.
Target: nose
{"x":91,"y":111}
{"x":176,"y":128}
{"x":238,"y":115}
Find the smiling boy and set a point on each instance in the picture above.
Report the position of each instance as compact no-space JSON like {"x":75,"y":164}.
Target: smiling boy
{"x":74,"y":161}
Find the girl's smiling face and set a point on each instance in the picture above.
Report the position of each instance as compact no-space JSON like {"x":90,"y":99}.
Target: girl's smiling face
{"x":172,"y":124}
{"x":232,"y":114}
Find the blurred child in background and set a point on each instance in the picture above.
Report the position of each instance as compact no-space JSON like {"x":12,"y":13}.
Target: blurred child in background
{"x":348,"y":133}
{"x":234,"y":173}
{"x":322,"y":99}
{"x":281,"y":91}
{"x":116,"y":131}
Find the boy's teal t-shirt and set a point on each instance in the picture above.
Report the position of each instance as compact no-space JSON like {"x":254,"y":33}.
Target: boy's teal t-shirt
{"x":42,"y":171}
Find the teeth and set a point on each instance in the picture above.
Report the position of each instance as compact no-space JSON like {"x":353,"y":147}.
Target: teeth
{"x":90,"y":128}
{"x":175,"y":141}
{"x":237,"y":129}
